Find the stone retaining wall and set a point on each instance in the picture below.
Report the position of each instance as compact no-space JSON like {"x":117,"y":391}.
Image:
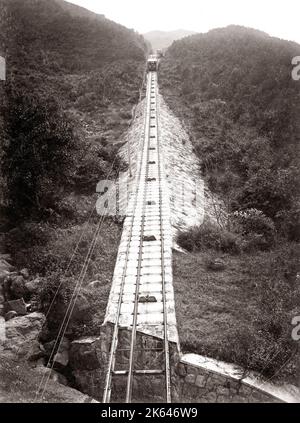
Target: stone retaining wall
{"x":89,"y":360}
{"x":204,"y":380}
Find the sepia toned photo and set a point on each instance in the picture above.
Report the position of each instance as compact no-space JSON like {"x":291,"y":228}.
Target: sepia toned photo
{"x":149,"y":205}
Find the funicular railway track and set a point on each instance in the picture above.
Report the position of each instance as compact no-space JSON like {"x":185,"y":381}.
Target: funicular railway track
{"x":143,"y":284}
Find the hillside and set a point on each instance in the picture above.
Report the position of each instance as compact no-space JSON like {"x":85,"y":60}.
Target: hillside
{"x":72,"y":83}
{"x":88,"y":70}
{"x":78,"y":11}
{"x":232,"y":88}
{"x":160,"y":40}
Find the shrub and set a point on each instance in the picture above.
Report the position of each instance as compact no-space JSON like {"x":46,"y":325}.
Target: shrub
{"x":185,"y":241}
{"x":38,"y":157}
{"x":258,"y":230}
{"x":209,"y":236}
{"x":257,"y":350}
{"x":88,"y":309}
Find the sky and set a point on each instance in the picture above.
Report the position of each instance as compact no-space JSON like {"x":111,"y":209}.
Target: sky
{"x":279,"y":18}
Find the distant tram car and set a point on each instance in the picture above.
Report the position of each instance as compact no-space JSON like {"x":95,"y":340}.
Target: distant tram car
{"x":152,"y":64}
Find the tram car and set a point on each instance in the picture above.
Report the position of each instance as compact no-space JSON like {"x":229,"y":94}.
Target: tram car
{"x":152,"y":64}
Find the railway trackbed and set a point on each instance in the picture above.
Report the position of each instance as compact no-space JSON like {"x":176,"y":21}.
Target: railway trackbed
{"x":141,"y":299}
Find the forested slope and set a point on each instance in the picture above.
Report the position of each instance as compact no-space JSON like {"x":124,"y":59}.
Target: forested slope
{"x":234,"y":88}
{"x":237,"y":294}
{"x":71,"y":84}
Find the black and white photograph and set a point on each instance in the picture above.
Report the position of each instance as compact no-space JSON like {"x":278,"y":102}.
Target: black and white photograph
{"x":149,"y":206}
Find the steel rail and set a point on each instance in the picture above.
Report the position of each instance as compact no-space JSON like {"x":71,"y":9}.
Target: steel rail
{"x":140,"y":197}
{"x":165,"y":309}
{"x":114,"y":344}
{"x":137,"y":290}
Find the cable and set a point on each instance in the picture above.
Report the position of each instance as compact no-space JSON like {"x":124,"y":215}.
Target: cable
{"x":70,"y":308}
{"x":77,"y":288}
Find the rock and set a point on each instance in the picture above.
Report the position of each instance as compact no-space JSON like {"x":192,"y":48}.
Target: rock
{"x":62,"y":358}
{"x":6,"y":257}
{"x":83,"y":353}
{"x":200,"y":381}
{"x":190,"y":378}
{"x":90,"y":381}
{"x":62,"y":355}
{"x":4,"y":265}
{"x":18,"y":306}
{"x":216,"y":265}
{"x":21,"y":332}
{"x":25,"y":273}
{"x":54,"y":376}
{"x":10,"y":315}
{"x":40,"y":362}
{"x":149,"y":238}
{"x":147,"y":299}
{"x":3,"y":275}
{"x":36,"y":352}
{"x":48,"y":346}
{"x":57,"y":377}
{"x":17,"y":286}
{"x":181,"y":370}
{"x":32,"y":286}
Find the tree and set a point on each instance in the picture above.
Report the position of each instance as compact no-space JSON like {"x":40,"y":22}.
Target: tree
{"x":37,"y":151}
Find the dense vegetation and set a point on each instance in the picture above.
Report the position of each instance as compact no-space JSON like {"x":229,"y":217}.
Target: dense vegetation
{"x":73,"y":78}
{"x":68,"y":80}
{"x":233,"y":89}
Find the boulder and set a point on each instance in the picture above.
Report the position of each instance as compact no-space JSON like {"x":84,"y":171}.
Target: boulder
{"x":18,"y":306}
{"x":3,"y":275}
{"x":17,"y":286}
{"x":36,"y":352}
{"x":25,"y":273}
{"x":48,"y":347}
{"x":32,"y":286}
{"x":53,"y":375}
{"x":90,"y":382}
{"x":10,"y":315}
{"x":62,"y":358}
{"x":21,"y":332}
{"x":6,"y":257}
{"x":62,"y":355}
{"x":4,"y":265}
{"x":38,"y":363}
{"x":83,"y":354}
{"x":216,"y":265}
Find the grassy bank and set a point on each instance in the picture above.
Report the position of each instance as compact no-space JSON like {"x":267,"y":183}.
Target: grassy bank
{"x":242,"y":313}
